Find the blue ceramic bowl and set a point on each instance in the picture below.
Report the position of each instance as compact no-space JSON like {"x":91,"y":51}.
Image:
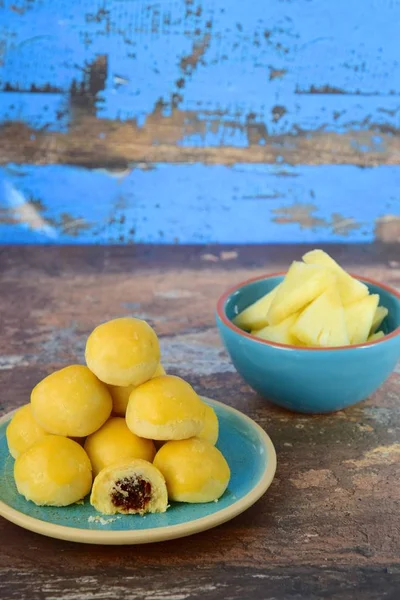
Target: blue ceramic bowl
{"x":309,"y":380}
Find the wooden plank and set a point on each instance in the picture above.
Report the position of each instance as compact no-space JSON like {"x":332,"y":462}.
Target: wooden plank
{"x":201,"y":75}
{"x":327,"y":527}
{"x":194,"y":203}
{"x":93,"y":142}
{"x":237,"y":583}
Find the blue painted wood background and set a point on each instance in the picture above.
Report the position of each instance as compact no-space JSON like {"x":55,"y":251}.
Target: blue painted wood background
{"x":196,"y":121}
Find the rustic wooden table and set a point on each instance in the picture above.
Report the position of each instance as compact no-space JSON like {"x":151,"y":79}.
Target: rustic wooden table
{"x":329,"y":525}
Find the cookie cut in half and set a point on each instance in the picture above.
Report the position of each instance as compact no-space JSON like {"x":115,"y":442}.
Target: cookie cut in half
{"x":130,"y":487}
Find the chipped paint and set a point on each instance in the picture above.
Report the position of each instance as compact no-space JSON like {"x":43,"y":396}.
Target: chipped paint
{"x":29,"y":214}
{"x":387,"y":228}
{"x":189,"y":63}
{"x":115,"y":145}
{"x":212,"y":83}
{"x":199,"y":204}
{"x":199,"y":58}
{"x":303,"y":214}
{"x":16,"y":210}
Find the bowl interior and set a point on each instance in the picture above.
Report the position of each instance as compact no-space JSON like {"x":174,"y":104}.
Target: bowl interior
{"x":250,"y":292}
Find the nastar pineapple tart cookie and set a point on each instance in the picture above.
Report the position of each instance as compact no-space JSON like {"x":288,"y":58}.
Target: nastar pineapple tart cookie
{"x":165,"y":408}
{"x":120,"y":393}
{"x":208,"y":432}
{"x":23,"y":431}
{"x":55,"y":471}
{"x":317,"y":304}
{"x":123,"y":351}
{"x":210,"y":429}
{"x":71,"y":402}
{"x":194,"y":469}
{"x":114,"y":442}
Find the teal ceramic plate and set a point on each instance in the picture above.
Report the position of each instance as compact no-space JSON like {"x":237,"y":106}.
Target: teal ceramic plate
{"x":247,"y":448}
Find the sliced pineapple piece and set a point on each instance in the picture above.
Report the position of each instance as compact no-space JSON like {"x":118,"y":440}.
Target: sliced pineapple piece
{"x":323,"y":323}
{"x":376,"y":336}
{"x":280,"y":333}
{"x":350,"y":289}
{"x":380,"y":313}
{"x":302,"y":284}
{"x":255,"y":315}
{"x":359,"y":316}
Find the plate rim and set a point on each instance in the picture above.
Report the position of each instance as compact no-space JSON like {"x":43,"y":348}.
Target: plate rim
{"x":156,"y":534}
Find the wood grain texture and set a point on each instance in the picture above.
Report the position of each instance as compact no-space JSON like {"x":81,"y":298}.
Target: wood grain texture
{"x":329,"y":525}
{"x":93,"y":142}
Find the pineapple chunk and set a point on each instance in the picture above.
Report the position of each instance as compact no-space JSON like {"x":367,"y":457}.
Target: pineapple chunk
{"x":380,"y":313}
{"x":359,"y":316}
{"x":350,"y":289}
{"x":376,"y":336}
{"x":280,"y":333}
{"x":302,"y":284}
{"x":255,"y":315}
{"x":323,"y":323}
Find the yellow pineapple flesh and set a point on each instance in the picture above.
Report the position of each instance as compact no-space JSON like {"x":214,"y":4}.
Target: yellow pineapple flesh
{"x":350,"y":289}
{"x":302,"y":284}
{"x":376,"y":336}
{"x":380,"y":313}
{"x":255,"y":315}
{"x":322,"y":323}
{"x":280,"y":333}
{"x":359,"y":317}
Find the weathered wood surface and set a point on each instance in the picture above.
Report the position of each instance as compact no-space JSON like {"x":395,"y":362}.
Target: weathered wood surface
{"x":195,"y":203}
{"x":329,"y":526}
{"x":117,"y":87}
{"x":217,"y":72}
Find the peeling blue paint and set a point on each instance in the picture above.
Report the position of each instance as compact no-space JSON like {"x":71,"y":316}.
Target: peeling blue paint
{"x":225,"y":75}
{"x":336,"y":64}
{"x":41,"y":111}
{"x":194,"y":203}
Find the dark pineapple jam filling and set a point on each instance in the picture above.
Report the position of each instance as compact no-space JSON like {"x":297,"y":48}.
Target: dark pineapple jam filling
{"x":131,"y":493}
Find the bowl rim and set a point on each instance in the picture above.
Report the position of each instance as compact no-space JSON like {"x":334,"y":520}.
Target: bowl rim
{"x":221,"y":303}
